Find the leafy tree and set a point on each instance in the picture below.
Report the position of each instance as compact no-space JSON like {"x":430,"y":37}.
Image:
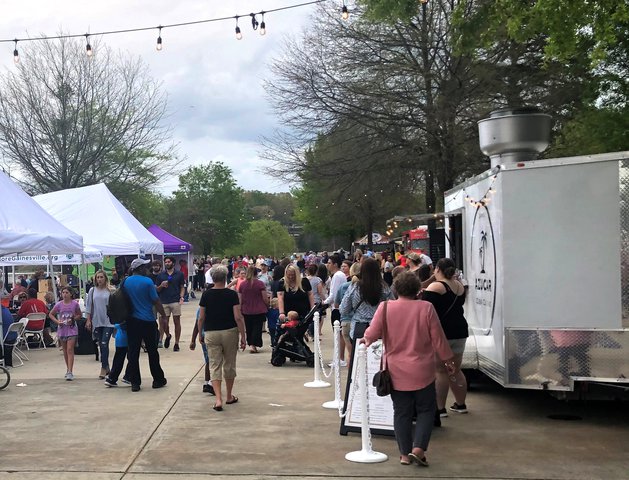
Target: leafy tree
{"x":68,"y":120}
{"x":145,"y":205}
{"x":269,"y":206}
{"x":208,"y":208}
{"x":338,"y":199}
{"x":266,"y":237}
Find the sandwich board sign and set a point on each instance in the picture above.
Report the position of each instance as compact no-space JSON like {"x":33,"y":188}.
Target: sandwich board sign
{"x":380,"y":408}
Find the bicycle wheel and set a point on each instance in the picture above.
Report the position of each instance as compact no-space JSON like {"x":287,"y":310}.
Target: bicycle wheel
{"x":5,"y":377}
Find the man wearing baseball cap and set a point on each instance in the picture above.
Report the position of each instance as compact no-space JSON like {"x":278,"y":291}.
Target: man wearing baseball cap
{"x":142,"y":326}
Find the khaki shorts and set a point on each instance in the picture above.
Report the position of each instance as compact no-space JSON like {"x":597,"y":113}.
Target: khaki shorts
{"x":222,"y":346}
{"x":172,"y":308}
{"x":345,"y":326}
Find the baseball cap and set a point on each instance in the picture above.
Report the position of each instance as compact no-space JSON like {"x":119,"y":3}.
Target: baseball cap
{"x":415,"y":257}
{"x":138,"y":262}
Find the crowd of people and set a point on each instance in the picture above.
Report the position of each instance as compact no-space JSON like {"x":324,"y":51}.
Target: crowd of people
{"x":419,"y":305}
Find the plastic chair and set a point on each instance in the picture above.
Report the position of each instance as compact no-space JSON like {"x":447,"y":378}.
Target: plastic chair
{"x":35,"y":326}
{"x":18,"y":329}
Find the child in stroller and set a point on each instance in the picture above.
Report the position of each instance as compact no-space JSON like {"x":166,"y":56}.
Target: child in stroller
{"x":290,"y":340}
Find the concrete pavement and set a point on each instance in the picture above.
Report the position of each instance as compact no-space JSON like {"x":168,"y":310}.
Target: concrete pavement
{"x":74,"y":430}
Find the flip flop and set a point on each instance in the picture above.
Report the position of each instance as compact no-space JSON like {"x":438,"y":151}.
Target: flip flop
{"x":233,"y":400}
{"x":404,"y":462}
{"x":422,"y":462}
{"x":218,"y":409}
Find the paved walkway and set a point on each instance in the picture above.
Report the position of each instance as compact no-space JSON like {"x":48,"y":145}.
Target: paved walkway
{"x":74,"y":430}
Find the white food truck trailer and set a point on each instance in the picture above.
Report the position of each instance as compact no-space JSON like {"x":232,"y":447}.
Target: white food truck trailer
{"x":544,"y":248}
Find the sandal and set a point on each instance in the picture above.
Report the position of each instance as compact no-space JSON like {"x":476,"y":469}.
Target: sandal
{"x":233,"y":400}
{"x":404,"y":462}
{"x":422,"y":462}
{"x":218,"y":408}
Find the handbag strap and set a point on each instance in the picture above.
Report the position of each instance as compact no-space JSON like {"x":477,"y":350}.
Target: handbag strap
{"x":383,"y":361}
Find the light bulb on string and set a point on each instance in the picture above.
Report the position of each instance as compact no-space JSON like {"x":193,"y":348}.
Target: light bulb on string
{"x":16,"y":55}
{"x":344,"y":12}
{"x":158,"y":47}
{"x":238,"y":33}
{"x":262,"y":25}
{"x":88,"y":47}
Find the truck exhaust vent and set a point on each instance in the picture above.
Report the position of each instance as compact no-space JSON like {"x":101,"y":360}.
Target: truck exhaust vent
{"x":512,"y":135}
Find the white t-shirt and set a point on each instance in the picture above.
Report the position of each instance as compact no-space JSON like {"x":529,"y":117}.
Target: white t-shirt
{"x":338,"y":279}
{"x":208,"y":277}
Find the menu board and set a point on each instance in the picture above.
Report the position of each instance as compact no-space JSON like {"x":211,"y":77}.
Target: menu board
{"x":380,"y":408}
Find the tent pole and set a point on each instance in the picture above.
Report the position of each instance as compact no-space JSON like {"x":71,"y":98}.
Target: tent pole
{"x":54,"y":284}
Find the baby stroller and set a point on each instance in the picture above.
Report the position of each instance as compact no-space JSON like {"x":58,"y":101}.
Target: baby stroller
{"x":290,"y":343}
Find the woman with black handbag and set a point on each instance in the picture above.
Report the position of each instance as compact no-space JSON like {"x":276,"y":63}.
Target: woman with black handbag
{"x":411,"y":335}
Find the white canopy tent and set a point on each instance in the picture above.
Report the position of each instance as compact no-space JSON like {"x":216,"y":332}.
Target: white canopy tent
{"x":25,"y":227}
{"x":105,"y":224}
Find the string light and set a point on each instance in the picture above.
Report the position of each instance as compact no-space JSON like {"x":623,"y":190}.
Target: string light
{"x":158,"y":47}
{"x":88,"y":47}
{"x":238,"y":34}
{"x":262,"y":24}
{"x":344,"y":12}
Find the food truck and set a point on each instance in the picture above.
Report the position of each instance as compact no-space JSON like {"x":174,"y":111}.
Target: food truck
{"x":544,"y":249}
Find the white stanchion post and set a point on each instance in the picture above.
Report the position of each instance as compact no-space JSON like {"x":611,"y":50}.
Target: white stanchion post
{"x":366,"y":454}
{"x":317,"y":383}
{"x":336,"y":367}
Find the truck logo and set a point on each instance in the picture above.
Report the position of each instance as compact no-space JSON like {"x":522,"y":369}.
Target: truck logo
{"x":483,"y":268}
{"x":482,"y":250}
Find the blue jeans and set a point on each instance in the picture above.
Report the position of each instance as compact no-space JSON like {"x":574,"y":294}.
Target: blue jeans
{"x":101,"y":337}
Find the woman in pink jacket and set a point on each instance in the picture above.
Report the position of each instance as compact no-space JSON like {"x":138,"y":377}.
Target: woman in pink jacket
{"x":414,"y":336}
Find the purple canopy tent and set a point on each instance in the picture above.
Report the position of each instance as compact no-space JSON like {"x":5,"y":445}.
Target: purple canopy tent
{"x":172,"y":244}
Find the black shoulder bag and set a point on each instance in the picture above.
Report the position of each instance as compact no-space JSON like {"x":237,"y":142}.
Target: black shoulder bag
{"x":382,"y":379}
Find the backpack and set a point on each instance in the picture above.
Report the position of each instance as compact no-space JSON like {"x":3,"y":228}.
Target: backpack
{"x":119,"y":306}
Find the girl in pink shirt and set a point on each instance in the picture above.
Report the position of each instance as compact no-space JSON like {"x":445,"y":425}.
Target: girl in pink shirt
{"x":65,"y":314}
{"x":414,"y":335}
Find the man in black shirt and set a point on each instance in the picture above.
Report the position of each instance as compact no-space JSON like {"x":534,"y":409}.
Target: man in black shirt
{"x":171,"y":288}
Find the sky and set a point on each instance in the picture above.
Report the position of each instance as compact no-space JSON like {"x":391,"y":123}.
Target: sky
{"x":217,"y":107}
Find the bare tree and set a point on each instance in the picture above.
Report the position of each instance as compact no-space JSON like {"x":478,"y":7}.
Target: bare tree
{"x":69,"y":120}
{"x":414,"y":92}
{"x":402,"y":84}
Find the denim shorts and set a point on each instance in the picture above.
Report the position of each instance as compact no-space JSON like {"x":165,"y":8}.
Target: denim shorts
{"x":458,"y":345}
{"x":65,"y":339}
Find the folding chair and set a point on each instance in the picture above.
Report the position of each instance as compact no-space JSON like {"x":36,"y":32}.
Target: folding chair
{"x":35,"y":327}
{"x":18,"y":329}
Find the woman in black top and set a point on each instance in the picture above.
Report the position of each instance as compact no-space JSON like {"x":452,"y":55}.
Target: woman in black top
{"x":222,"y":321}
{"x":294,"y":293}
{"x":448,"y":296}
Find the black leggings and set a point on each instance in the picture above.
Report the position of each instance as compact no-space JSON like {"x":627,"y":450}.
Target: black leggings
{"x":253,"y":325}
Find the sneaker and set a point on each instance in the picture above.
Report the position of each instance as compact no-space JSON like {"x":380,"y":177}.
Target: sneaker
{"x":160,"y":345}
{"x":343,"y":363}
{"x":126,"y":380}
{"x":442,"y":412}
{"x":135,"y":388}
{"x":208,"y":389}
{"x":69,"y":376}
{"x":110,"y":383}
{"x":159,"y":384}
{"x":167,"y":341}
{"x":458,"y":408}
{"x":176,"y":347}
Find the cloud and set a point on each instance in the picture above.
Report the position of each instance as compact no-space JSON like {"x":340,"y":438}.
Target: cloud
{"x":217,"y":106}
